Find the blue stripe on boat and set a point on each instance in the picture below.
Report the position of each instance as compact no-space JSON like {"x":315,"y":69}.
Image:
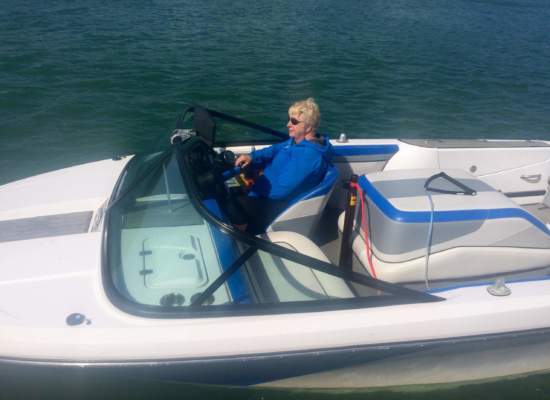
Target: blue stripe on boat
{"x":364,"y":150}
{"x":227,"y":253}
{"x":444,"y":216}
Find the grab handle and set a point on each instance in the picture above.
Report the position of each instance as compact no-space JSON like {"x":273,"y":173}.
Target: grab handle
{"x":532,"y":178}
{"x":465,"y":189}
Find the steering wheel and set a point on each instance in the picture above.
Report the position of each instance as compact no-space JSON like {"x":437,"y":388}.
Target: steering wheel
{"x":211,"y":170}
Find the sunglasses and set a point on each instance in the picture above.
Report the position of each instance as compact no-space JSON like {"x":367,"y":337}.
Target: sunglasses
{"x":294,"y":121}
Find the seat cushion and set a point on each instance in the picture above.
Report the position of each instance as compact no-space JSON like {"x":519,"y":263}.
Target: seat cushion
{"x":292,"y":281}
{"x":477,"y":235}
{"x":303,"y":214}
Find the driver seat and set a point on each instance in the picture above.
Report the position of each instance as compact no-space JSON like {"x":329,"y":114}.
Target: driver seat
{"x":303,"y":213}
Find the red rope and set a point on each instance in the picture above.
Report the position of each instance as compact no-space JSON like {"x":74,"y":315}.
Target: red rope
{"x":365,"y":228}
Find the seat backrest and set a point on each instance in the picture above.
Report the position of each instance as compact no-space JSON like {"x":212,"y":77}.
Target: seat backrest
{"x":303,"y":213}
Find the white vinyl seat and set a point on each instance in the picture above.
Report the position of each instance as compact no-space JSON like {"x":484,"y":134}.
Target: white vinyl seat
{"x":294,"y":282}
{"x":476,"y":235}
{"x":303,"y":214}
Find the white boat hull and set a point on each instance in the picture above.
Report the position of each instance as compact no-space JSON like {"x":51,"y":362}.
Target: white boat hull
{"x":46,"y":279}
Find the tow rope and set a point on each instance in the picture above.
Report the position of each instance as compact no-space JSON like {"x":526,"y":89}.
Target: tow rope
{"x":364,"y":227}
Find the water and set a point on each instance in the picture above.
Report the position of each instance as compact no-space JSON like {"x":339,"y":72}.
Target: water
{"x":527,"y":387}
{"x":86,"y":80}
{"x":83,"y":80}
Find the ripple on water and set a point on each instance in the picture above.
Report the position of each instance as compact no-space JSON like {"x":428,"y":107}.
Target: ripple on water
{"x":377,"y":68}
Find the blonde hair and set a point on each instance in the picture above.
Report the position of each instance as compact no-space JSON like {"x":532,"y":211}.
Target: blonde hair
{"x":308,"y":109}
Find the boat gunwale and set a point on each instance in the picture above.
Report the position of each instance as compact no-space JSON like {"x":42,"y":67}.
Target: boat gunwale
{"x":317,"y":352}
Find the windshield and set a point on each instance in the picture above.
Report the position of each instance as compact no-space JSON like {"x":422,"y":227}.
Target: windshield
{"x":170,"y":252}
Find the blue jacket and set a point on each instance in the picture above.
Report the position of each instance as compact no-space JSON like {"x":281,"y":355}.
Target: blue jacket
{"x":291,"y":169}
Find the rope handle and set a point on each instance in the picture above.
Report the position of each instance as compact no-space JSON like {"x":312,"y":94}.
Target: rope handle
{"x":364,"y":227}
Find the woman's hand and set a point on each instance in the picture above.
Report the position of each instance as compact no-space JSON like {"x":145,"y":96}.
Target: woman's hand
{"x":243,"y":160}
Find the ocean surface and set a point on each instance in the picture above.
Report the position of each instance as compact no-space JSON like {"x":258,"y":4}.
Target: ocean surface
{"x":83,"y":80}
{"x":87,"y":80}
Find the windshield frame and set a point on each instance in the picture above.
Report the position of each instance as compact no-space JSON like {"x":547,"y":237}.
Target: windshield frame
{"x":397,"y":294}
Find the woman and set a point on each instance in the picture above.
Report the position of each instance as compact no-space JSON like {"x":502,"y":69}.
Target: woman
{"x":290,"y":168}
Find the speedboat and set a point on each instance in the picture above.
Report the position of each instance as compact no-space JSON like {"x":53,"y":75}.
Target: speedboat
{"x":412,"y":262}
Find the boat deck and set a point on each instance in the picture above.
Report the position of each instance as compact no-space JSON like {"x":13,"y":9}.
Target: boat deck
{"x":539,"y":210}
